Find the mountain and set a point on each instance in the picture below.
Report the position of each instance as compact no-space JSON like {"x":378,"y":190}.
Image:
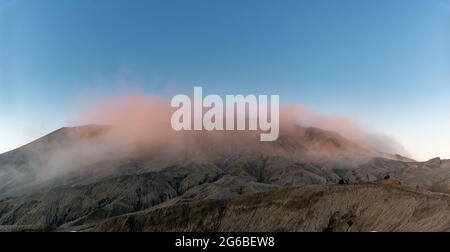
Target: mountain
{"x":78,"y":178}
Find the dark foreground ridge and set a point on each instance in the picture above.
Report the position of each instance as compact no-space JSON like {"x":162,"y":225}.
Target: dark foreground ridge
{"x":365,"y":207}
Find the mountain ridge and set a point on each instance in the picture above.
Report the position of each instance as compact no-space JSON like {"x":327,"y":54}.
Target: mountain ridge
{"x":101,"y":184}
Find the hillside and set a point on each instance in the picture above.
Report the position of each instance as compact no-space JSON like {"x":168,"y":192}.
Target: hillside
{"x":348,"y":208}
{"x":75,"y":178}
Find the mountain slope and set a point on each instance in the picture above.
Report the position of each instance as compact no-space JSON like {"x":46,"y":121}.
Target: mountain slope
{"x":365,"y":207}
{"x":77,"y":177}
{"x":28,"y":165}
{"x":73,"y":156}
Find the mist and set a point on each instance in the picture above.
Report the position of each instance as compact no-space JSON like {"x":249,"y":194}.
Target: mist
{"x":142,"y":121}
{"x":134,"y":130}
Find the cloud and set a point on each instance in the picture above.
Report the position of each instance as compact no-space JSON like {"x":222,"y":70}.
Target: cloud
{"x":143,"y":119}
{"x":138,"y":125}
{"x":348,"y":127}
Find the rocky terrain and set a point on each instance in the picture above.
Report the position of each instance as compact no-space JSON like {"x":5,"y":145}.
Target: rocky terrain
{"x":363,"y":207}
{"x":308,"y":180}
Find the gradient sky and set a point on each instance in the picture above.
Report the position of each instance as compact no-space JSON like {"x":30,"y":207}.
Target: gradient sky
{"x":385,"y":62}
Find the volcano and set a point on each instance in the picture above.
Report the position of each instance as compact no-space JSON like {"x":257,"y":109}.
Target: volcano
{"x":85,"y":179}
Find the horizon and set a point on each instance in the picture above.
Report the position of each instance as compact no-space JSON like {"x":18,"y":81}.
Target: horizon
{"x":383,"y":65}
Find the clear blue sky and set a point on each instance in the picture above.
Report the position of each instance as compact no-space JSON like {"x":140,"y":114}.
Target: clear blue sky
{"x":385,"y":62}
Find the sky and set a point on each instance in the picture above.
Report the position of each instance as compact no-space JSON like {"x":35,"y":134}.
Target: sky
{"x":385,"y":63}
